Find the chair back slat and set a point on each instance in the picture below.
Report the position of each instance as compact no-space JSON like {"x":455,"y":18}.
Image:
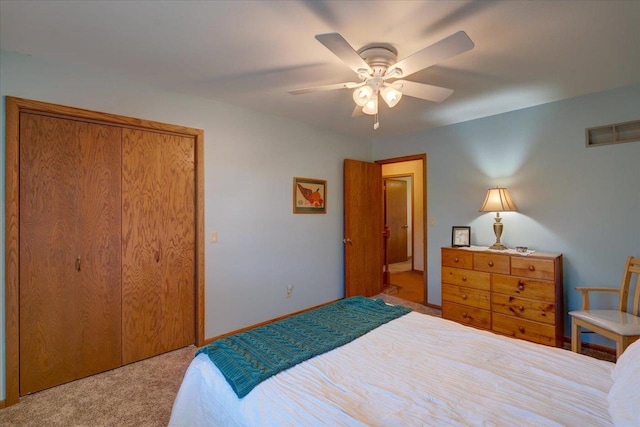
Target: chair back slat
{"x":636,"y":298}
{"x":635,"y":268}
{"x":632,"y":267}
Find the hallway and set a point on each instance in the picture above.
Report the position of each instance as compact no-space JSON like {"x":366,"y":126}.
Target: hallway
{"x":406,"y":283}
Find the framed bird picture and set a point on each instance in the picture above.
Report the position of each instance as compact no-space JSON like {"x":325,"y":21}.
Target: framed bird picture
{"x":309,"y":195}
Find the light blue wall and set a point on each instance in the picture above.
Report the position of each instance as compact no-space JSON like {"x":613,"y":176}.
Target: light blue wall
{"x":582,"y":202}
{"x":249,"y":163}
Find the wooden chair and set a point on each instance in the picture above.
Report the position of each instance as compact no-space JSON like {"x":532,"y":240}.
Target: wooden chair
{"x":621,"y":325}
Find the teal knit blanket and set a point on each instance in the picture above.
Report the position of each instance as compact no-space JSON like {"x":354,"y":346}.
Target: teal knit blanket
{"x":248,"y":358}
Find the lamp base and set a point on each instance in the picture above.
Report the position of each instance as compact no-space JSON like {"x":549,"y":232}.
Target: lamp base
{"x":497,"y":229}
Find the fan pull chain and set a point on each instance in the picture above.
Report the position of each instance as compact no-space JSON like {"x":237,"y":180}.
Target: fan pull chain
{"x":376,"y":125}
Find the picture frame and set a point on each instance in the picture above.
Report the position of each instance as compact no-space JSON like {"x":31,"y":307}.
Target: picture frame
{"x":309,"y":196}
{"x":460,"y":236}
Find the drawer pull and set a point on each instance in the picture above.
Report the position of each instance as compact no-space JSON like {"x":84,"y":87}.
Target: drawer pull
{"x":521,"y":285}
{"x":490,"y":263}
{"x":456,"y":259}
{"x":521,"y":329}
{"x":532,"y":268}
{"x":464,"y":278}
{"x":465,"y":315}
{"x":521,"y":308}
{"x":464,"y":296}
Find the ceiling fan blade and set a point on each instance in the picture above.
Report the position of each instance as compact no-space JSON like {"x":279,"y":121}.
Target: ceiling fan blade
{"x":446,"y":48}
{"x":422,"y":91}
{"x":343,"y":50}
{"x":347,"y":85}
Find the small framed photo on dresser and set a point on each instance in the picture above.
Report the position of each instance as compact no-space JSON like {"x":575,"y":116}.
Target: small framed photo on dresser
{"x":460,"y":236}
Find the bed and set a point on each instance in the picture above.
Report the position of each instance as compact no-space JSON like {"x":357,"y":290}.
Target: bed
{"x":421,"y":370}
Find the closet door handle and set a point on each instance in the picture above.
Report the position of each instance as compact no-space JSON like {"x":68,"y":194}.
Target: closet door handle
{"x":157,"y":256}
{"x":78,"y":263}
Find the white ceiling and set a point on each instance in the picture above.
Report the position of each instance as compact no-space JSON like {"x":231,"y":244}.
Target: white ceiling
{"x":251,"y":53}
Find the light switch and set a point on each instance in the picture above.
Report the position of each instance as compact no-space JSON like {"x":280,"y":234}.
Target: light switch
{"x":214,"y":237}
{"x":432,"y":222}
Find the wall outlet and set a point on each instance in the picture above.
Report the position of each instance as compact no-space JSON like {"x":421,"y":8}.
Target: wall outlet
{"x":289,"y":291}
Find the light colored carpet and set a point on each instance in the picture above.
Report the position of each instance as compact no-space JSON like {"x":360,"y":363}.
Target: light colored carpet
{"x":139,"y":394}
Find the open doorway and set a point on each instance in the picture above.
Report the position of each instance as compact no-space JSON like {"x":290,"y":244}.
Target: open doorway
{"x":404,"y":269}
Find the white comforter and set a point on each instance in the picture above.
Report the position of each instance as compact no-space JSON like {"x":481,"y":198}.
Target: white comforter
{"x":417,"y":370}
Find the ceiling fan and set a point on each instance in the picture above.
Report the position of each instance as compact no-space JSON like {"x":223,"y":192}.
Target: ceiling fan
{"x":381,"y":75}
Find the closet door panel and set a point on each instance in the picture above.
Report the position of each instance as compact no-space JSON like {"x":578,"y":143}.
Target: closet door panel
{"x":66,"y":320}
{"x":158,"y":243}
{"x":48,"y":283}
{"x":178,"y":237}
{"x":100,"y":246}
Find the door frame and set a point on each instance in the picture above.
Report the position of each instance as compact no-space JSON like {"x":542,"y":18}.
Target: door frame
{"x":423,"y":158}
{"x":14,"y":106}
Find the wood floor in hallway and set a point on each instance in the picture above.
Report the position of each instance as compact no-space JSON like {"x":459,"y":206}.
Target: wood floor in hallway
{"x":408,"y":285}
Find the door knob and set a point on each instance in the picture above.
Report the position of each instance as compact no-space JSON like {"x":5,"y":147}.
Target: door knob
{"x":347,"y":240}
{"x":405,"y":226}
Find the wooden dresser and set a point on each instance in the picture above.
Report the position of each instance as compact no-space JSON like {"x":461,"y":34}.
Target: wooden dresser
{"x":511,"y":294}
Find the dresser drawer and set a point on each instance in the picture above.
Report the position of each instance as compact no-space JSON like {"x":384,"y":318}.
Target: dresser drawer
{"x":466,"y":278}
{"x":538,"y":311}
{"x":524,"y":329}
{"x":491,"y":263}
{"x":523,"y":287}
{"x":466,"y":296}
{"x":470,"y":316}
{"x":457,"y":258}
{"x":532,"y":267}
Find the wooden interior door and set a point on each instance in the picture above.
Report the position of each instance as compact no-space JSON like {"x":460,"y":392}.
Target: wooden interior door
{"x":363,"y":228}
{"x":158,"y":246}
{"x":396,"y":219}
{"x":69,"y":250}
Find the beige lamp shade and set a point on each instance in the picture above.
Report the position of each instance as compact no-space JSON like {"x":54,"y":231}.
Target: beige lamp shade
{"x":497,"y":201}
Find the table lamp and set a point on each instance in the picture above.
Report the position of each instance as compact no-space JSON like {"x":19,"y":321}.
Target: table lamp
{"x":497,"y":201}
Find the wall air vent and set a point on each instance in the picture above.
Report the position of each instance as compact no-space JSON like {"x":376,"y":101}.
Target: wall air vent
{"x":613,"y":134}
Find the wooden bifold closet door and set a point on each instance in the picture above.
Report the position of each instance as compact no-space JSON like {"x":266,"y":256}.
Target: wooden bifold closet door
{"x":70,"y":257}
{"x":158,"y":271}
{"x":104,"y":247}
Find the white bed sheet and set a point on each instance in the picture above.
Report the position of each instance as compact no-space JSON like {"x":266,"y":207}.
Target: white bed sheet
{"x":417,"y":370}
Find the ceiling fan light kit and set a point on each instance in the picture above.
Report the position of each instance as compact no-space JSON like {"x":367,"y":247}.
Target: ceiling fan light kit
{"x":371,"y":107}
{"x":376,"y":65}
{"x":391,"y":96}
{"x":362,"y":95}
